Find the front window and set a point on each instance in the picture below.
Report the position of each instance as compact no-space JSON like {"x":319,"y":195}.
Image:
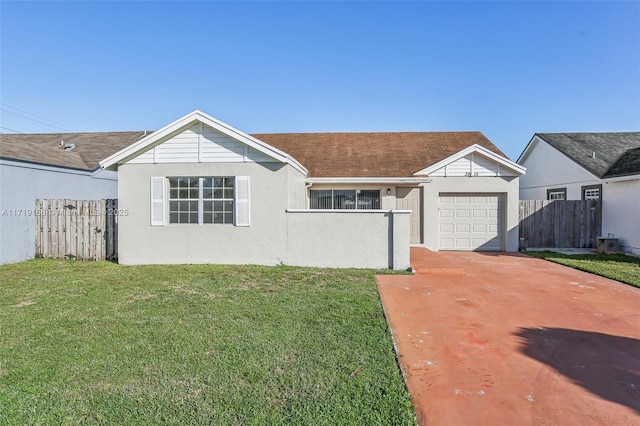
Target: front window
{"x":344,"y":199}
{"x":201,"y":200}
{"x":557,"y":194}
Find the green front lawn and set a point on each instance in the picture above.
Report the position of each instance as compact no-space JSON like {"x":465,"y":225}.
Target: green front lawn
{"x":618,"y":267}
{"x":108,"y":344}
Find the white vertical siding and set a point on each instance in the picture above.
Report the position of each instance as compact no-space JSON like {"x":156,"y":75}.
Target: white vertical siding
{"x":473,"y":164}
{"x":201,"y":144}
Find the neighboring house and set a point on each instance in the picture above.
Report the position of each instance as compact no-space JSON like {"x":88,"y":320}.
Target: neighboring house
{"x":61,"y":165}
{"x":201,"y":191}
{"x":589,"y":166}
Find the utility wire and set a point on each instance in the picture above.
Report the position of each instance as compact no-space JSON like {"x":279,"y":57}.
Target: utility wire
{"x":11,"y":130}
{"x":48,"y":122}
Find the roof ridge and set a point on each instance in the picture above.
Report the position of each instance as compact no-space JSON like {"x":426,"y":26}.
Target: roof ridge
{"x":368,"y":132}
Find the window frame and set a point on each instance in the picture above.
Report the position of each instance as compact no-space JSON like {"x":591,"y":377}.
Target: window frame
{"x":562,"y":191}
{"x":586,"y":188}
{"x":201,"y":199}
{"x":355,"y":200}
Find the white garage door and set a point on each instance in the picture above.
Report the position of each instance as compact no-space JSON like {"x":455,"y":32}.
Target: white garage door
{"x":471,"y":222}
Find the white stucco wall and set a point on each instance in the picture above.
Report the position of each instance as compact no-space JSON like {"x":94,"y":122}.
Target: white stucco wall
{"x":349,"y":238}
{"x":621,"y":213}
{"x":22,"y":183}
{"x":548,"y":168}
{"x":332,"y":239}
{"x":505,"y":186}
{"x":263,"y":242}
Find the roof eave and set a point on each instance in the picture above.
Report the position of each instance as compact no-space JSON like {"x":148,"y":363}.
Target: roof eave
{"x":527,"y":149}
{"x":372,"y":179}
{"x":50,"y":166}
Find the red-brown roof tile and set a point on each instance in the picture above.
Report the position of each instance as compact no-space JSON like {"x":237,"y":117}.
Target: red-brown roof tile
{"x":397,"y":154}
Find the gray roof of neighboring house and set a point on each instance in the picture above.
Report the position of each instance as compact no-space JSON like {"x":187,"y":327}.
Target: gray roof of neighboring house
{"x":616,"y":154}
{"x":45,"y":148}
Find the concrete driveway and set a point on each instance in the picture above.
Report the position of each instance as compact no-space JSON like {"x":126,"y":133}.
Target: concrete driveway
{"x":506,"y":339}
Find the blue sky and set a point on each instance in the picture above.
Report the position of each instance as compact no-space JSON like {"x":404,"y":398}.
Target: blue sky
{"x":508,"y":69}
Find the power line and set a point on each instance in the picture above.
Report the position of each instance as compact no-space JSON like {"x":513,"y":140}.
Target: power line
{"x":47,"y":122}
{"x":11,"y":130}
{"x":35,"y":120}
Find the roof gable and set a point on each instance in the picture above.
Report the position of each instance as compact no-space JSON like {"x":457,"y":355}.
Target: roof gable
{"x":187,"y":122}
{"x":474,"y":160}
{"x":597,"y":153}
{"x":373,"y":155}
{"x":200,"y":143}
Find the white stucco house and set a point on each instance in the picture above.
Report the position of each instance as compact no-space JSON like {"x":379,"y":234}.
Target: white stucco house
{"x":201,"y":191}
{"x":52,"y":165}
{"x":582,"y":166}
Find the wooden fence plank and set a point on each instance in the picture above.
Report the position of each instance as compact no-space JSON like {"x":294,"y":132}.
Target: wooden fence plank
{"x":560,"y":223}
{"x":76,"y":229}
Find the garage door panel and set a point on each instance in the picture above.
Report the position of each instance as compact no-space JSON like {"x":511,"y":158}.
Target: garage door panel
{"x":480,"y":214}
{"x":446,"y":243}
{"x":470,"y":222}
{"x":480,"y":227}
{"x":446,"y":227}
{"x":463,"y":227}
{"x":462,"y":243}
{"x":446,"y":212}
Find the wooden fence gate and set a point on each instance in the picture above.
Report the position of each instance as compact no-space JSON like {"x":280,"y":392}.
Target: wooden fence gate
{"x":76,"y":229}
{"x":560,"y":223}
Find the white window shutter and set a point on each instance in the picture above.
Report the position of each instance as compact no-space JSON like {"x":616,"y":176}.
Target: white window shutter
{"x":157,"y":201}
{"x":243,"y":211}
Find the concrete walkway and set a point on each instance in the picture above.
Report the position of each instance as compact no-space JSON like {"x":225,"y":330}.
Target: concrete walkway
{"x":505,"y":339}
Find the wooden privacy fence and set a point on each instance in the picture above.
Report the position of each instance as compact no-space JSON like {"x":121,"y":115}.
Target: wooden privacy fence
{"x":76,"y":229}
{"x":560,"y":223}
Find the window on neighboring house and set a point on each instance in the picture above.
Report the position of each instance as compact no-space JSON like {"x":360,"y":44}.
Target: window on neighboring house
{"x":347,"y":199}
{"x":201,"y":200}
{"x":557,"y":194}
{"x":591,"y":192}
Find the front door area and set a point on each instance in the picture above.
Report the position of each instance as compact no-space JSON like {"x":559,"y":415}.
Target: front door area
{"x":411,"y":199}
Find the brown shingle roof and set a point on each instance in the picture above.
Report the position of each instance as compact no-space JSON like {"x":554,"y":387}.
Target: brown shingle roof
{"x":44,"y":148}
{"x":397,"y":154}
